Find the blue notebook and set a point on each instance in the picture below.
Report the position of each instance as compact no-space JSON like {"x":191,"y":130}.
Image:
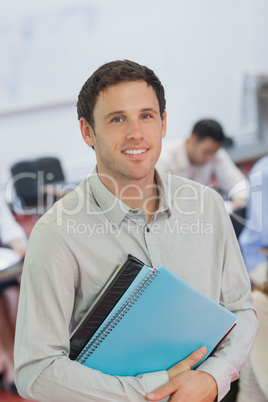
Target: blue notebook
{"x":158,"y":321}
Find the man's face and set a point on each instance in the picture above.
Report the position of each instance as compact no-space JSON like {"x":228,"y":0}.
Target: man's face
{"x":201,"y":152}
{"x":128,"y":131}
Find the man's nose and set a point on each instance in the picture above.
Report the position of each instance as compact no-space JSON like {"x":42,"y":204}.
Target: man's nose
{"x":135,"y":130}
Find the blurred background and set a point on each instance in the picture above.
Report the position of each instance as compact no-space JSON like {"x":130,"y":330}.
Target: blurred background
{"x":211,"y":56}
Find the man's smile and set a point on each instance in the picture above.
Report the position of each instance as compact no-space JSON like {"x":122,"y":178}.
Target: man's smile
{"x":135,"y":151}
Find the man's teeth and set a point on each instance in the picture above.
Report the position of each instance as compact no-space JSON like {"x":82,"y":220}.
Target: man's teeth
{"x":135,"y":151}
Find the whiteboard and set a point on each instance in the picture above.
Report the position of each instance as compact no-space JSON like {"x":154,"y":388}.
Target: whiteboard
{"x":48,"y":48}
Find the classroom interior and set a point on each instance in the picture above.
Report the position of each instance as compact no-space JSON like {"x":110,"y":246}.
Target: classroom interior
{"x":212,"y":58}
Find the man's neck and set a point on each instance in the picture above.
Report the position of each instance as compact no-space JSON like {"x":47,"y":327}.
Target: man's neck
{"x":146,"y":199}
{"x":137,"y":194}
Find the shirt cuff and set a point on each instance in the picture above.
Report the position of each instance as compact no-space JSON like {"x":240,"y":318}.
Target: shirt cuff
{"x":155,"y":380}
{"x":222,"y":372}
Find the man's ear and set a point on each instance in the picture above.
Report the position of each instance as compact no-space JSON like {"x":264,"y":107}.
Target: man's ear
{"x":193,"y":138}
{"x":164,"y":123}
{"x":87,"y":132}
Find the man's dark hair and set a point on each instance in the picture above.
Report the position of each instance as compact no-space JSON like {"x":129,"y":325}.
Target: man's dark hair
{"x":209,"y":128}
{"x":114,"y":73}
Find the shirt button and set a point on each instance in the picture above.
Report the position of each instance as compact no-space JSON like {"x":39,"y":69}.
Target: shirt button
{"x":148,"y":229}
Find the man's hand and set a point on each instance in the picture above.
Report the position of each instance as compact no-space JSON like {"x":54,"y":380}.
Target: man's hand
{"x":186,"y":384}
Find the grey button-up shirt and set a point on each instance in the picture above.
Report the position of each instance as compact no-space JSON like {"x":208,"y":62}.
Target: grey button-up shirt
{"x":74,"y":249}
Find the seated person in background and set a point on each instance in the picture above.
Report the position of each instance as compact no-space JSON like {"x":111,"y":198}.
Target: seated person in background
{"x":13,"y":236}
{"x":253,"y":383}
{"x":201,"y":157}
{"x":255,"y":233}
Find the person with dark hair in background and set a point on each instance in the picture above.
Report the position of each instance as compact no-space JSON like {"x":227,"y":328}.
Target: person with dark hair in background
{"x":201,"y":157}
{"x":125,"y":207}
{"x":12,"y":236}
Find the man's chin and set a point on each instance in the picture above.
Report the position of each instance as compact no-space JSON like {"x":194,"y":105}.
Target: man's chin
{"x":137,"y":174}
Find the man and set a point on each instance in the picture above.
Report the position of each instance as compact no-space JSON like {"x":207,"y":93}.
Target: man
{"x":202,"y":158}
{"x":126,"y":207}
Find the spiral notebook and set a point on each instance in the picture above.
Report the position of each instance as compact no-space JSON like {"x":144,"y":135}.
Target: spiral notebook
{"x":159,"y":320}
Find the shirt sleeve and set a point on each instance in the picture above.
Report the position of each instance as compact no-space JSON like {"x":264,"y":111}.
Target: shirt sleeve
{"x":229,"y":177}
{"x":43,"y":370}
{"x":9,"y":228}
{"x":231,"y":355}
{"x":259,"y":354}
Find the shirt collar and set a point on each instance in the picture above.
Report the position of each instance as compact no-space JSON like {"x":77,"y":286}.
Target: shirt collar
{"x":164,"y":205}
{"x":113,"y":207}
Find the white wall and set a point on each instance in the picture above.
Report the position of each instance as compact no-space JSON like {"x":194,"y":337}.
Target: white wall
{"x":49,"y":132}
{"x":199,"y":49}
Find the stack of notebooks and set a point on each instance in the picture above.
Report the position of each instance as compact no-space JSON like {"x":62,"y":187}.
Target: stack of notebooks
{"x":146,"y":320}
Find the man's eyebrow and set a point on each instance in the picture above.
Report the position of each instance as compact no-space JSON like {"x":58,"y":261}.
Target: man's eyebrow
{"x":114,"y":113}
{"x":149,"y":109}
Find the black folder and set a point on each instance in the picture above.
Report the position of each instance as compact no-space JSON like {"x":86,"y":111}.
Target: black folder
{"x":104,"y":303}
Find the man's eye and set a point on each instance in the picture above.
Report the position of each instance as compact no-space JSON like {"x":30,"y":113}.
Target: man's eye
{"x":117,"y":119}
{"x":145,"y":116}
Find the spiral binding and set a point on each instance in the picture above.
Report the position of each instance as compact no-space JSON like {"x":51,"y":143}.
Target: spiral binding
{"x":114,"y":321}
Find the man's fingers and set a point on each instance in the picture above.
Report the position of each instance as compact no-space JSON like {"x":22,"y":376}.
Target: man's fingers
{"x":187,"y":363}
{"x":162,"y":392}
{"x":184,"y":365}
{"x":195,"y":357}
